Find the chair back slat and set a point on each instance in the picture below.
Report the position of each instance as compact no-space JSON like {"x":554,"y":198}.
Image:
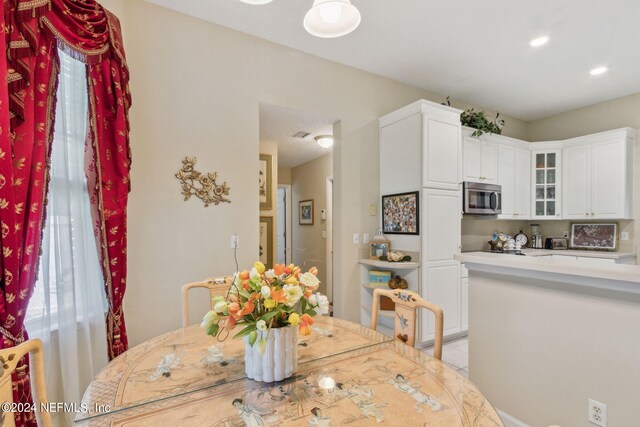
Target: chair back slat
{"x":405,"y":319}
{"x":9,"y":360}
{"x":217,"y":287}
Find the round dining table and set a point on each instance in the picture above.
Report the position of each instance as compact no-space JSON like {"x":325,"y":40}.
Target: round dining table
{"x":347,"y":374}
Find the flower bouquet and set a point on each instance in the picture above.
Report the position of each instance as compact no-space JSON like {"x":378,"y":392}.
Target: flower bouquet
{"x":272,"y":306}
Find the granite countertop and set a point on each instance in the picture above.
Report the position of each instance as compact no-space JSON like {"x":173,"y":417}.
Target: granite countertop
{"x":538,"y":266}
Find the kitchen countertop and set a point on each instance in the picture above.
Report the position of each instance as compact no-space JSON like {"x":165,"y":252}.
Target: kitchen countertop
{"x":620,"y":277}
{"x":580,"y":253}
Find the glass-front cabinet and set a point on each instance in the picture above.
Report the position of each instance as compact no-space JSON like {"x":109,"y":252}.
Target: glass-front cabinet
{"x":546,"y":177}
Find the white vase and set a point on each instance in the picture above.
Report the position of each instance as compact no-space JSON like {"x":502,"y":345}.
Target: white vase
{"x":280,"y":358}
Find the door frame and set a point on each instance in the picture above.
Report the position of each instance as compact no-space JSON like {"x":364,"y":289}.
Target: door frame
{"x":329,"y":239}
{"x":288,"y":221}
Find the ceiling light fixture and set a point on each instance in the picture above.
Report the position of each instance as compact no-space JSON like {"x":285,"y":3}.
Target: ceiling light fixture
{"x":331,"y":18}
{"x":598,"y":71}
{"x":256,"y":1}
{"x":539,"y":41}
{"x":324,"y":141}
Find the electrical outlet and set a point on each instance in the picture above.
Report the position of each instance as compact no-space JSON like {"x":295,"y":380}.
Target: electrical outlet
{"x":624,"y":235}
{"x":365,"y":238}
{"x":356,"y":238}
{"x":235,"y":241}
{"x":597,"y":413}
{"x":565,"y":234}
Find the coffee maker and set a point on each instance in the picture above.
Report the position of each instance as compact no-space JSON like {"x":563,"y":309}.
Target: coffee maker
{"x":536,"y":237}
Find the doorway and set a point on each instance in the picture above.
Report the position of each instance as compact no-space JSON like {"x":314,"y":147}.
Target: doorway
{"x":299,"y":144}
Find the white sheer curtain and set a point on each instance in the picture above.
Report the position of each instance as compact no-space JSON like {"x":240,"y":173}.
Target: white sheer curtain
{"x":68,"y":308}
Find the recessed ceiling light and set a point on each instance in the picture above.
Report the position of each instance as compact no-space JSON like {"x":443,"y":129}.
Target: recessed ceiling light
{"x":539,"y":41}
{"x":598,"y":71}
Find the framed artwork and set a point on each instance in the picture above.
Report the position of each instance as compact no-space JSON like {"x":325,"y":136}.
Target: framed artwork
{"x":401,"y":213}
{"x":266,"y":182}
{"x":305,"y":212}
{"x":266,"y":241}
{"x":594,"y":236}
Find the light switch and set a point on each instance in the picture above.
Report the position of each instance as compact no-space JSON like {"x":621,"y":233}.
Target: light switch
{"x":356,"y":238}
{"x":324,"y":234}
{"x":624,"y":235}
{"x":365,"y":238}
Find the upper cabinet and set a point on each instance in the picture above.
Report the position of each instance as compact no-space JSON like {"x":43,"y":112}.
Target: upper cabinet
{"x":598,"y":176}
{"x":420,"y":146}
{"x":514,"y":177}
{"x":480,"y":157}
{"x":546,"y":183}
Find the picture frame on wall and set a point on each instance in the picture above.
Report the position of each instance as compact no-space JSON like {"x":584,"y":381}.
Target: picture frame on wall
{"x":603,"y":237}
{"x":401,"y":213}
{"x":265,"y":182}
{"x":266,"y":241}
{"x":305,"y":212}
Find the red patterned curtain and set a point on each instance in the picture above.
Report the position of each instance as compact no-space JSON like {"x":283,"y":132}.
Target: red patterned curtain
{"x":33,"y":30}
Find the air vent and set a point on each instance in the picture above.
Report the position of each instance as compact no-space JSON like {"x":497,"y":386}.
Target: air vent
{"x":302,"y":134}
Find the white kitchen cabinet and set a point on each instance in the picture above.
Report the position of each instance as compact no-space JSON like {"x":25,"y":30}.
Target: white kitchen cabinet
{"x":506,"y":179}
{"x":441,"y":150}
{"x":441,"y":224}
{"x":576,"y":203}
{"x":546,"y":187}
{"x":522,"y":196}
{"x":480,"y":158}
{"x":597,"y":176}
{"x":442,"y":288}
{"x":611,"y":179}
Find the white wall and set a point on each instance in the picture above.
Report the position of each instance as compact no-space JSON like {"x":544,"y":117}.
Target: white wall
{"x":196,"y":91}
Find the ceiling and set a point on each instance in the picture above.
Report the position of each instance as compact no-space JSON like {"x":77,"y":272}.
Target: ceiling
{"x":279,"y":124}
{"x":471,"y":50}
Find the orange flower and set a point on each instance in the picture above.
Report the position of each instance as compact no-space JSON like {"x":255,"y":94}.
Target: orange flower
{"x":278,"y":269}
{"x":304,"y":329}
{"x":247,"y":309}
{"x":308,"y":293}
{"x":254,"y":296}
{"x":305,"y":318}
{"x":230,"y":323}
{"x":279,"y":295}
{"x":305,"y":324}
{"x":314,"y":271}
{"x":244,"y":275}
{"x":245,"y":285}
{"x":234,"y":308}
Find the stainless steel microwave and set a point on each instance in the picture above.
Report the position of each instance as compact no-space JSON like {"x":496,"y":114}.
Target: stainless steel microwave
{"x":482,"y":199}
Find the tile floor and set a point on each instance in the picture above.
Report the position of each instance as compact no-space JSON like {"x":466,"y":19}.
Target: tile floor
{"x":455,"y":354}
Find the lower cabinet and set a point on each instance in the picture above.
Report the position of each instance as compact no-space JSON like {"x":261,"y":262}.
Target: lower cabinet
{"x":441,"y":286}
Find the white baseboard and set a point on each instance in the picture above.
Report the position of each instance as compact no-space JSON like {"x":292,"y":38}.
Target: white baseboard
{"x":511,"y":421}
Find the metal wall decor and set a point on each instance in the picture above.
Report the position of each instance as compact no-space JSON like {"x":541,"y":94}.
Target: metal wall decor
{"x":201,"y":185}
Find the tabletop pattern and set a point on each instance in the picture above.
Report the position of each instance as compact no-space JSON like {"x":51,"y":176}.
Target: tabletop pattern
{"x":188,"y":360}
{"x":347,"y":374}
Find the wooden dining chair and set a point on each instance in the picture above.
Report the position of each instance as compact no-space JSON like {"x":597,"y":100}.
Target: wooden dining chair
{"x":9,"y":358}
{"x":217,"y":287}
{"x":406,"y":304}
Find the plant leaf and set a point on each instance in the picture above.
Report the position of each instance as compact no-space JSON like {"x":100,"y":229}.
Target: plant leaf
{"x":245,"y":331}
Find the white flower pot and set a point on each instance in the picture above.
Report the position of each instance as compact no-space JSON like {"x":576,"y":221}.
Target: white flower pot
{"x":280,"y":358}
